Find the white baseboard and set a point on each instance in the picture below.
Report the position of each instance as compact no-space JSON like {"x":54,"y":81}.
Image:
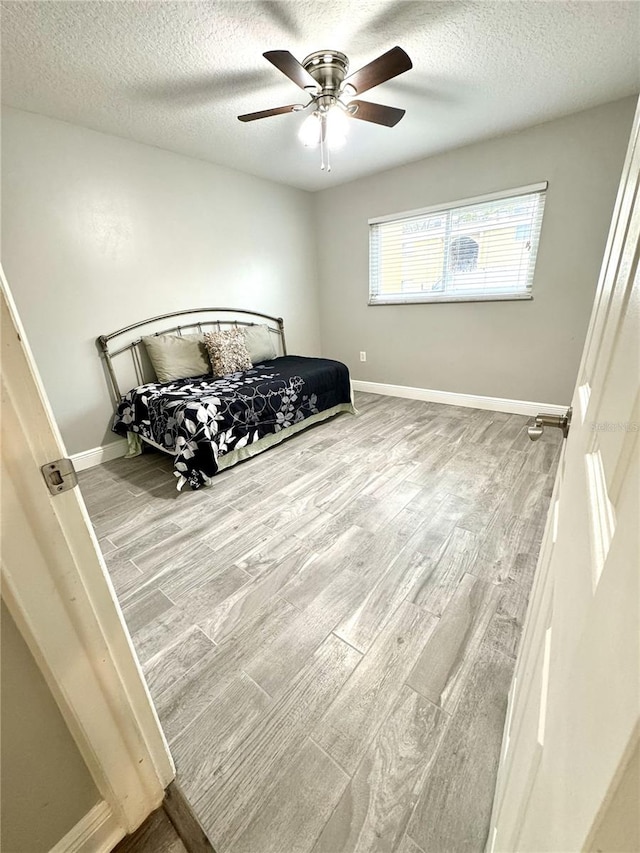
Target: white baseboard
{"x":473,"y":401}
{"x":117,"y":449}
{"x":97,"y":832}
{"x":89,"y":458}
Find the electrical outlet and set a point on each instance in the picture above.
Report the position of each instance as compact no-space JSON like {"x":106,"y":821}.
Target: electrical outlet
{"x":363,"y":356}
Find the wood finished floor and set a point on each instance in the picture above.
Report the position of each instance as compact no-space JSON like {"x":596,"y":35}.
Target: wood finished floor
{"x":329,"y":632}
{"x":156,"y":835}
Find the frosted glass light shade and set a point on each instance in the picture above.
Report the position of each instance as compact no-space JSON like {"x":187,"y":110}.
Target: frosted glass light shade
{"x":336,"y":129}
{"x":309,"y":133}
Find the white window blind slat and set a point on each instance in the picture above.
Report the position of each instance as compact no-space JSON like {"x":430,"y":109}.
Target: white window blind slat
{"x":481,"y":250}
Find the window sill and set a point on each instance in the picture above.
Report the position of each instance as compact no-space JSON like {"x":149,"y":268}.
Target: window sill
{"x":423,"y":300}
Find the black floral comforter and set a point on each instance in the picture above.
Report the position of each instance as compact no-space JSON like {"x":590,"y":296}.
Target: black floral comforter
{"x":200,"y":419}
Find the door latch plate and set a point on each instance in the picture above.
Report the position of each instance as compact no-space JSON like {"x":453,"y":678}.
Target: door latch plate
{"x":60,"y":476}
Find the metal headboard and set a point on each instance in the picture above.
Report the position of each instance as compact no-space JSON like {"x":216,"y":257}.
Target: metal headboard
{"x":141,"y":367}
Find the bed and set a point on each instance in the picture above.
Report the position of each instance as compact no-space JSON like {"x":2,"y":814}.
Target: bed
{"x":209,"y":424}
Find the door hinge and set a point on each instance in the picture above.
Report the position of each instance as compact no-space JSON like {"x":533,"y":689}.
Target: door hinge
{"x":60,"y":476}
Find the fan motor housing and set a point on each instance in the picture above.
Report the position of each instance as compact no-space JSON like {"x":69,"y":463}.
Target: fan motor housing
{"x":328,"y":68}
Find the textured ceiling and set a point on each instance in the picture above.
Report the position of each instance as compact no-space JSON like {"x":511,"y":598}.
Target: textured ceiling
{"x":176,"y":74}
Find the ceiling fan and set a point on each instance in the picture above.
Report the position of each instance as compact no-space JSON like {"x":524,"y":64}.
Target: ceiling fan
{"x":323,"y":75}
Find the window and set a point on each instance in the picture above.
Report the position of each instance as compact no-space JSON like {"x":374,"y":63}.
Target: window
{"x":481,"y":248}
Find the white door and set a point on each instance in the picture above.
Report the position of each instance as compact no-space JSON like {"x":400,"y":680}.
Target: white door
{"x":55,"y":584}
{"x":573,"y":718}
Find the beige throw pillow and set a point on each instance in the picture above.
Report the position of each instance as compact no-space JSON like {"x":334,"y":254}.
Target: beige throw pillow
{"x":259,"y":343}
{"x":227,"y":351}
{"x":177,"y":356}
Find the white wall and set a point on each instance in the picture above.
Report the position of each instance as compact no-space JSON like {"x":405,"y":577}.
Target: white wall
{"x":515,"y":350}
{"x":46,"y":787}
{"x":99,"y":232}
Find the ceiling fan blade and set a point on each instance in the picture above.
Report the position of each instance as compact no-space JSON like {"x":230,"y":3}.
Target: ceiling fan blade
{"x":377,"y":113}
{"x":289,"y":65}
{"x":276,"y":111}
{"x":385,"y":67}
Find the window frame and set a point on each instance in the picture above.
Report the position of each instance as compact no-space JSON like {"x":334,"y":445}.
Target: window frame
{"x":424,"y":298}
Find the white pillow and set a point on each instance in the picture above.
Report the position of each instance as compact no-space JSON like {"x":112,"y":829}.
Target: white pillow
{"x":259,"y":343}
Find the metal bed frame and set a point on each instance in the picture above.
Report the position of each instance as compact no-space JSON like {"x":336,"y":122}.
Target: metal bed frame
{"x":134,"y":346}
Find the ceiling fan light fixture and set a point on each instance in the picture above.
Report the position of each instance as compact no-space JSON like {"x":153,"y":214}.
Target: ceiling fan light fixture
{"x":335,"y":128}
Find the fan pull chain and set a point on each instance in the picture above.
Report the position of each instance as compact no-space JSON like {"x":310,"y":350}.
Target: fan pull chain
{"x":325,"y":156}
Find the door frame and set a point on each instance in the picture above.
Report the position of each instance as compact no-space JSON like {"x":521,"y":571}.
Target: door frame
{"x":57,"y":589}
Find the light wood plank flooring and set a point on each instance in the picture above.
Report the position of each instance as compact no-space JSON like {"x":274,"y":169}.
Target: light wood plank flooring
{"x":330,"y":630}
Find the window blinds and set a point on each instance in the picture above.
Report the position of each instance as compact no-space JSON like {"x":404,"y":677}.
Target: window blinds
{"x":483,"y":248}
